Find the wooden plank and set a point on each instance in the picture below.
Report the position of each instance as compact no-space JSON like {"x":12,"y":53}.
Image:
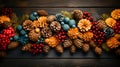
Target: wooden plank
{"x":60,"y":3}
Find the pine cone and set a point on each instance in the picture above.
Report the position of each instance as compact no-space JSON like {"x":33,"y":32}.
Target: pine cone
{"x":33,"y":36}
{"x":26,"y":47}
{"x":86,"y":48}
{"x":59,"y":49}
{"x":42,"y":13}
{"x":28,"y":25}
{"x":55,"y":26}
{"x":46,"y":48}
{"x":67,"y":43}
{"x":72,"y":49}
{"x":50,"y":18}
{"x":46,"y":32}
{"x":78,"y":43}
{"x":77,"y":14}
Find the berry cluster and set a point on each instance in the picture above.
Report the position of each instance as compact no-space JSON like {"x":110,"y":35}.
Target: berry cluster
{"x":5,"y":36}
{"x":7,"y":11}
{"x":87,"y":15}
{"x":98,"y":35}
{"x":61,"y":36}
{"x":36,"y":48}
{"x":116,"y":28}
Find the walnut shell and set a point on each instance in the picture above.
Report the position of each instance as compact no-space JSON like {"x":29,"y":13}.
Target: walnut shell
{"x":78,"y":43}
{"x":67,"y":43}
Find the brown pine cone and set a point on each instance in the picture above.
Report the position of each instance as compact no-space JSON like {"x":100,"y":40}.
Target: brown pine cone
{"x":50,"y":18}
{"x":26,"y":47}
{"x":6,"y":24}
{"x":42,"y":13}
{"x":101,"y":24}
{"x":86,"y":48}
{"x":72,"y":49}
{"x":55,"y":26}
{"x":46,"y":48}
{"x":98,"y":51}
{"x":92,"y":44}
{"x":77,"y":14}
{"x":78,"y":43}
{"x":2,"y":54}
{"x":13,"y":45}
{"x":27,"y":25}
{"x":46,"y":32}
{"x":34,"y":36}
{"x":67,"y":43}
{"x":59,"y":49}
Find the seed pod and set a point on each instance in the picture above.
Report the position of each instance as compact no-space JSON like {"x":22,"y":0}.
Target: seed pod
{"x":13,"y":45}
{"x":59,"y":49}
{"x":26,"y":47}
{"x":78,"y":43}
{"x":67,"y":43}
{"x":72,"y":49}
{"x":98,"y":50}
{"x":46,"y":48}
{"x":86,"y":48}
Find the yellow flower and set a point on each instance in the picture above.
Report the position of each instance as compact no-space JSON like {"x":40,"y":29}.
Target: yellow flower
{"x":42,"y":21}
{"x":110,"y":22}
{"x":116,"y":14}
{"x":73,"y":33}
{"x":4,"y":18}
{"x":84,"y":25}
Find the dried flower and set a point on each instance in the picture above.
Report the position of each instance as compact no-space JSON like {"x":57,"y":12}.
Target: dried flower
{"x":4,"y":19}
{"x":115,"y":14}
{"x":87,"y":36}
{"x":42,"y":21}
{"x":110,"y":22}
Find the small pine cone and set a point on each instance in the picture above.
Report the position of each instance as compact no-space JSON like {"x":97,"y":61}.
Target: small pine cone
{"x":2,"y":54}
{"x":6,"y":24}
{"x":67,"y":43}
{"x":78,"y":43}
{"x":27,"y":25}
{"x":42,"y":13}
{"x":101,"y":24}
{"x":33,"y":36}
{"x":13,"y":45}
{"x":98,"y":50}
{"x":46,"y":32}
{"x":50,"y":18}
{"x":59,"y":49}
{"x":92,"y":44}
{"x":72,"y":49}
{"x":77,"y":14}
{"x":26,"y":47}
{"x":55,"y":26}
{"x":46,"y":48}
{"x":86,"y":48}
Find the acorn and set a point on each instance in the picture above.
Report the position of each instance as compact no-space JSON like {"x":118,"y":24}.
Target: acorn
{"x":86,"y":48}
{"x":59,"y":49}
{"x":46,"y":48}
{"x":67,"y":43}
{"x":78,"y":43}
{"x":72,"y":49}
{"x":98,"y":51}
{"x":26,"y":47}
{"x":13,"y":45}
{"x":42,"y":13}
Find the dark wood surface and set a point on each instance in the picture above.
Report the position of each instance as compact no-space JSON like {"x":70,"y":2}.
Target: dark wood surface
{"x":95,"y":7}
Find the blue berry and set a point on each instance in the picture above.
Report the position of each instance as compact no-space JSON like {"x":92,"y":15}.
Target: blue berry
{"x":22,"y":32}
{"x":71,"y":22}
{"x":16,"y":37}
{"x":66,"y":27}
{"x":73,"y":25}
{"x":19,"y":27}
{"x":66,"y":20}
{"x":35,"y":14}
{"x":62,"y":23}
{"x":32,"y":17}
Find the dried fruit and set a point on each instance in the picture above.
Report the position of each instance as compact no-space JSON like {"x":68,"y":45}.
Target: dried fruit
{"x":13,"y":45}
{"x":87,"y":15}
{"x":67,"y":43}
{"x":46,"y":32}
{"x":59,"y":49}
{"x":86,"y":48}
{"x":78,"y":43}
{"x":72,"y":49}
